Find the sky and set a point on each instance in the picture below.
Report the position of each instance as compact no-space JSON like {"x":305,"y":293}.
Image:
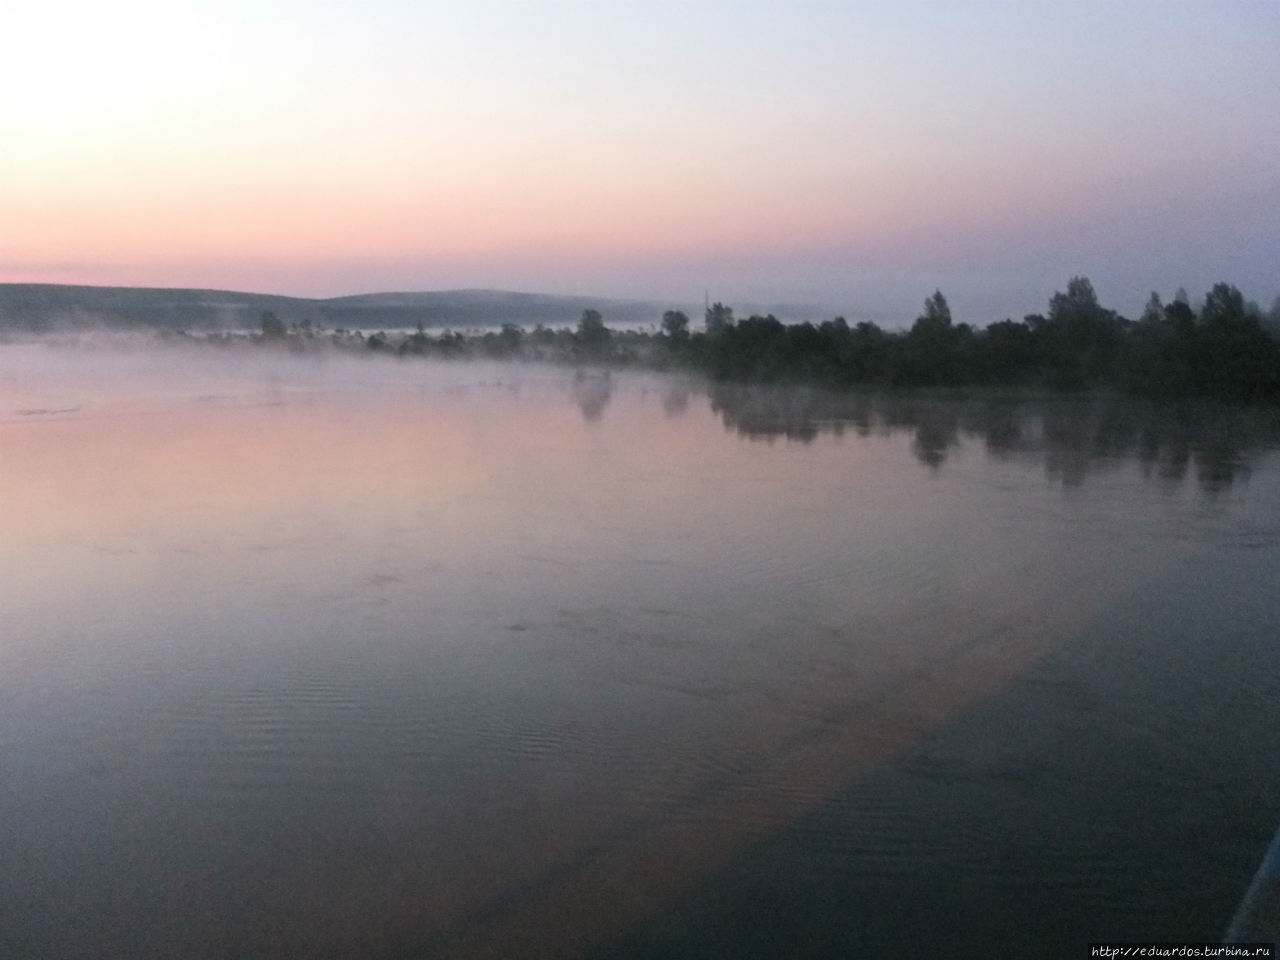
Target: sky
{"x":847,"y":156}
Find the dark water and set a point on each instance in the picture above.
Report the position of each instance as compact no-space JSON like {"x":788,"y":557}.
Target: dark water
{"x":401,"y":660}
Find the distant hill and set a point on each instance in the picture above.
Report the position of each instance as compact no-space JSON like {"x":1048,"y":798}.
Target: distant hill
{"x":37,"y":307}
{"x":474,"y":307}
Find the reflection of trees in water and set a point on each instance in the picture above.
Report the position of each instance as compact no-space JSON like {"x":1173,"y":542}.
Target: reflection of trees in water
{"x":676,"y":399}
{"x":1084,"y":438}
{"x":592,"y":392}
{"x":1074,"y":439}
{"x":797,"y":413}
{"x":936,"y":427}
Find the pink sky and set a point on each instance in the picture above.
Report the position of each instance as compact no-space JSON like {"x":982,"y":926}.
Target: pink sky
{"x":840,"y":156}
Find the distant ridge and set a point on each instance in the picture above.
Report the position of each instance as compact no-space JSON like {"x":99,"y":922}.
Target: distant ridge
{"x":38,"y":307}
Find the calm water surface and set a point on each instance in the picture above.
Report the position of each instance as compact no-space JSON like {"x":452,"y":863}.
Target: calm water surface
{"x":353,"y":659}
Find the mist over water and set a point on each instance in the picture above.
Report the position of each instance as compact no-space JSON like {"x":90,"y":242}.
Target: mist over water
{"x":358,"y":657}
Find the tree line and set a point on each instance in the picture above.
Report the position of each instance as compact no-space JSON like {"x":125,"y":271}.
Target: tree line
{"x":1227,"y":348}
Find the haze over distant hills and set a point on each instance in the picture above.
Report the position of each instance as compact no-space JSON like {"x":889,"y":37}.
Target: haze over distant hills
{"x":37,"y":307}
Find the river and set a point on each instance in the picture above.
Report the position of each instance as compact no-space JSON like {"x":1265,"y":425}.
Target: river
{"x":368,"y":658}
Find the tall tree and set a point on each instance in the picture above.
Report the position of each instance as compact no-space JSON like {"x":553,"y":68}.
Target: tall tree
{"x":719,"y":318}
{"x":1080,"y":338}
{"x":937,"y":313}
{"x":1223,"y":306}
{"x":1153,"y":312}
{"x":675,"y":324}
{"x":1079,"y":303}
{"x":593,"y":335}
{"x":930,"y":354}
